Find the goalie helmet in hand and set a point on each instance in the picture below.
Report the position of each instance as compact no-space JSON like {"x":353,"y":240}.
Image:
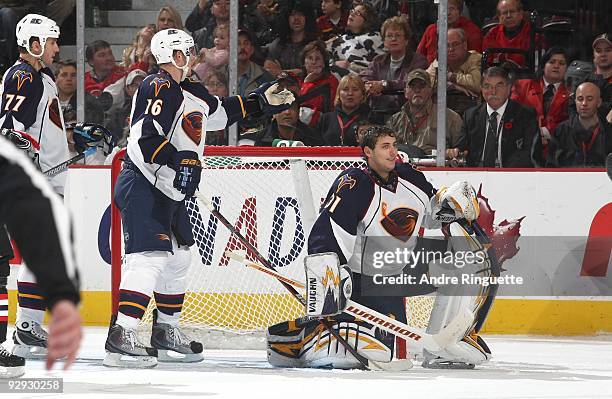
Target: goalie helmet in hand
{"x":39,"y":26}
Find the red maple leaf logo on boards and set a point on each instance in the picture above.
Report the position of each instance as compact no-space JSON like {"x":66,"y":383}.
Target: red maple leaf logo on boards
{"x":503,"y":235}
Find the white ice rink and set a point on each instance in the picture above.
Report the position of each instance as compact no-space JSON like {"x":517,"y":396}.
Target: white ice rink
{"x":522,"y":367}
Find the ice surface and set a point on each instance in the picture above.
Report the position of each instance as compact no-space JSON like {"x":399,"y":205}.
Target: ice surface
{"x":522,"y":367}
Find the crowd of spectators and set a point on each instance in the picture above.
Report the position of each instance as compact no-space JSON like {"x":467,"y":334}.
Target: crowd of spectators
{"x":352,"y":63}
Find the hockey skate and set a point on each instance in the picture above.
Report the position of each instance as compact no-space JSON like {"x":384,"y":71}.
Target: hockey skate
{"x":123,"y":349}
{"x":172,"y":345}
{"x":11,"y":366}
{"x":30,"y":340}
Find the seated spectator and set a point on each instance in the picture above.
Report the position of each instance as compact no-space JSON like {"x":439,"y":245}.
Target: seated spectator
{"x":473,"y":36}
{"x":383,"y":8}
{"x":499,"y":132}
{"x":204,"y":37}
{"x":297,"y":29}
{"x":602,"y":60}
{"x":250,"y":75}
{"x":462,"y":75}
{"x":104,"y":71}
{"x":416,"y":124}
{"x":217,"y":56}
{"x":319,"y":83}
{"x":66,"y":75}
{"x":356,"y":48}
{"x":117,"y":117}
{"x":546,"y":93}
{"x":339,"y":126}
{"x":586,"y":138}
{"x":287,"y":126}
{"x":513,"y":31}
{"x":333,"y":21}
{"x":387,"y":72}
{"x":215,"y":81}
{"x":168,"y":18}
{"x":259,"y":18}
{"x":199,"y":16}
{"x":140,"y":50}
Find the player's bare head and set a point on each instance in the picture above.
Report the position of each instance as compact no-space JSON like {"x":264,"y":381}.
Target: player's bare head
{"x":373,"y":133}
{"x":379,"y":146}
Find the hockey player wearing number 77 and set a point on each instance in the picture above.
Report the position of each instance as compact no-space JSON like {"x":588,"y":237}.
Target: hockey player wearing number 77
{"x":29,"y":103}
{"x":170,"y":116}
{"x":380,"y":209}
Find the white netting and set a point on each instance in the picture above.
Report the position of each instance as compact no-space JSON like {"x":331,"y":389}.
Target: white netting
{"x":260,"y":198}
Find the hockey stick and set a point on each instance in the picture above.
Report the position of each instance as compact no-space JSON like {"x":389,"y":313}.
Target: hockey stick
{"x":64,"y":165}
{"x":435,"y":342}
{"x":368,"y":364}
{"x":609,"y":165}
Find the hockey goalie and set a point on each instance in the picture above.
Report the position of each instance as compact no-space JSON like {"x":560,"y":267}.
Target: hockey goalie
{"x":382,"y":209}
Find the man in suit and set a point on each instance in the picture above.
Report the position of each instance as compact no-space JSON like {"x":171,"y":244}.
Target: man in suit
{"x":500,"y":132}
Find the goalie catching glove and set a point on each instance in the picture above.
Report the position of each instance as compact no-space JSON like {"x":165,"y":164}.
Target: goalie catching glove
{"x":272,"y":99}
{"x":456,"y":202}
{"x":328,"y":285}
{"x":88,"y":135}
{"x":188,"y":168}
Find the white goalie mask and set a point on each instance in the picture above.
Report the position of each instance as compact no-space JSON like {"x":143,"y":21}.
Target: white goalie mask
{"x":34,"y":25}
{"x":165,"y":42}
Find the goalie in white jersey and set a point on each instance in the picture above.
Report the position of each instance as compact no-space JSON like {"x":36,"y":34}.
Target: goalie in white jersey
{"x":29,"y":103}
{"x":169,"y":119}
{"x":380,"y":209}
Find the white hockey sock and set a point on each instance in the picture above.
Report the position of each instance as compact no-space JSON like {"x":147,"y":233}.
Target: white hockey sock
{"x":168,"y":319}
{"x":127,"y":322}
{"x":27,"y":283}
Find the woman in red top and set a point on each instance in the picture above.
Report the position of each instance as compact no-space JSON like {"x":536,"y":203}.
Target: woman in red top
{"x":319,"y":84}
{"x":429,"y":42}
{"x":546,"y":93}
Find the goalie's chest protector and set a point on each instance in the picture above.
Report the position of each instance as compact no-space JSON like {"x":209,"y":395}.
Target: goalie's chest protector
{"x":393,"y":219}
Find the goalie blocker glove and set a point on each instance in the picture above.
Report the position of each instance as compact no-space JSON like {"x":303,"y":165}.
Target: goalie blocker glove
{"x":188,"y":168}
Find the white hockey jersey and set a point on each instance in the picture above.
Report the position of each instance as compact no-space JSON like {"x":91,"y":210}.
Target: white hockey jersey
{"x":166,"y":112}
{"x":30,"y":104}
{"x":362,"y":214}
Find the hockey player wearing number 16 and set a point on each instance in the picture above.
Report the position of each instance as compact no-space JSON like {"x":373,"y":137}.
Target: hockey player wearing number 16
{"x":169,"y":119}
{"x":379,"y":208}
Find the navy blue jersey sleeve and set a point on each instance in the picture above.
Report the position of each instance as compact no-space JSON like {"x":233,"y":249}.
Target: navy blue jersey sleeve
{"x":409,"y":172}
{"x":347,"y":202}
{"x":21,"y":95}
{"x":156,"y":105}
{"x":236,"y":107}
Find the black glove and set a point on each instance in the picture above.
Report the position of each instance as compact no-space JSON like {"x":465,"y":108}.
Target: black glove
{"x":188,"y":170}
{"x":271,"y":99}
{"x":88,"y":135}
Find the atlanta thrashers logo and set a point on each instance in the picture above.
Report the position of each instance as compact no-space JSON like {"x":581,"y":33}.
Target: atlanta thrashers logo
{"x":21,"y":77}
{"x":400,"y":222}
{"x":192,"y":125}
{"x":159,"y":84}
{"x":345,"y":180}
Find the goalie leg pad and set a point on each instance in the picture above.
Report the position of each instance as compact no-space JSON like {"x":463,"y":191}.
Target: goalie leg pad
{"x":328,"y":285}
{"x":311,"y":345}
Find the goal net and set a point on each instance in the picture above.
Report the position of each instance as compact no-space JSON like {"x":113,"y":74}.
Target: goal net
{"x":272,"y":196}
